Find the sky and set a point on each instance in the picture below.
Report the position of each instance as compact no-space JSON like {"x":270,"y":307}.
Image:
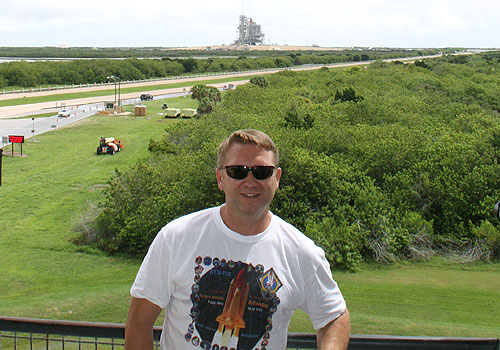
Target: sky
{"x":327,"y":23}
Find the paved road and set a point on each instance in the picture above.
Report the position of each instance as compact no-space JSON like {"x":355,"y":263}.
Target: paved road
{"x":30,"y":127}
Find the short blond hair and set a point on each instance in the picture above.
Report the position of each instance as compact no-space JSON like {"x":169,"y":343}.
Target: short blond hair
{"x":247,"y":137}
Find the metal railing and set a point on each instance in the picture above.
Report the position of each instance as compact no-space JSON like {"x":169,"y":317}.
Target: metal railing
{"x":27,"y":333}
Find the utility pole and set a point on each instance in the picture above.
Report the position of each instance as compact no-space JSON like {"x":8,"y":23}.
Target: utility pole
{"x":119,"y":103}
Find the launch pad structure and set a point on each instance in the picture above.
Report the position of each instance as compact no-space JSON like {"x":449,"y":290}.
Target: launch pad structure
{"x":249,"y":32}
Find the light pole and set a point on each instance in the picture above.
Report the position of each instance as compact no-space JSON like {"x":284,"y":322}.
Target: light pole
{"x":119,"y":101}
{"x":114,"y":79}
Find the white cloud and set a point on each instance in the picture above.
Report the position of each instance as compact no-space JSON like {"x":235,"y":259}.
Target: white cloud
{"x":200,"y":22}
{"x":443,"y":20}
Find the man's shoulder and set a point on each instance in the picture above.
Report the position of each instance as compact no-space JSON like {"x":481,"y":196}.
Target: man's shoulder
{"x":191,"y":221}
{"x":294,"y":235}
{"x":297,"y":246}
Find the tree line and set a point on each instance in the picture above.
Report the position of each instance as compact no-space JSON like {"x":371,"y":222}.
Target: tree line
{"x":161,"y":52}
{"x":386,"y":163}
{"x":89,"y":71}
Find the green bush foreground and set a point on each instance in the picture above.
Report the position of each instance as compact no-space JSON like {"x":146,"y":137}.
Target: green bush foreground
{"x":384,"y":162}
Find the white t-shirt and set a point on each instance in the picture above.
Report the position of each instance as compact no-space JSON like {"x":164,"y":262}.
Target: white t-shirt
{"x":224,"y":291}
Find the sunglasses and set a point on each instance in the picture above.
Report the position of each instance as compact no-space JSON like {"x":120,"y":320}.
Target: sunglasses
{"x":239,"y":172}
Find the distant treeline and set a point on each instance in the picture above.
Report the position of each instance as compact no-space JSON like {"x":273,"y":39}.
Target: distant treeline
{"x":160,"y":52}
{"x":78,"y":71}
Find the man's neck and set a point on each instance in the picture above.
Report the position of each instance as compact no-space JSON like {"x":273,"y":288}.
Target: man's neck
{"x":246,"y":225}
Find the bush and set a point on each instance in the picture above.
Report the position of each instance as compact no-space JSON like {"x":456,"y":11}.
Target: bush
{"x":488,"y":237}
{"x":208,"y":96}
{"x":343,"y":245}
{"x":259,"y":81}
{"x":406,"y":168}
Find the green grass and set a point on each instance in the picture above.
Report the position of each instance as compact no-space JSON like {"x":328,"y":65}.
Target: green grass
{"x":72,"y":95}
{"x":434,"y":298}
{"x":44,"y":275}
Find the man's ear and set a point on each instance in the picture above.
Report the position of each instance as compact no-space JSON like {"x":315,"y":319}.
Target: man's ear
{"x":219,"y":179}
{"x":278,"y":177}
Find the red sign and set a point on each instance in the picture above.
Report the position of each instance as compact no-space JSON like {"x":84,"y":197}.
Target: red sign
{"x":16,"y":139}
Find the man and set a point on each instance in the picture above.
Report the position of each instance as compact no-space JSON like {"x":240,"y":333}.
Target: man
{"x":231,"y":277}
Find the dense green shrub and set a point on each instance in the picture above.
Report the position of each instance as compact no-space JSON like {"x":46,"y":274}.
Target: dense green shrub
{"x":259,"y":81}
{"x":409,"y":170}
{"x":208,"y":96}
{"x":343,"y":245}
{"x":489,"y":240}
{"x":151,"y":193}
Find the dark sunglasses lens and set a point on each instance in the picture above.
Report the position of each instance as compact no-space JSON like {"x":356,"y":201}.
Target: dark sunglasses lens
{"x":262,"y":172}
{"x":237,"y":172}
{"x":241,"y":172}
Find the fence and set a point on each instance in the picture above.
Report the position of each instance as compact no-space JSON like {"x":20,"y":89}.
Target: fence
{"x":26,"y":333}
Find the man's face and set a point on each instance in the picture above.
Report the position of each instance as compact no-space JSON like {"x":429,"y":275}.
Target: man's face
{"x":248,"y":196}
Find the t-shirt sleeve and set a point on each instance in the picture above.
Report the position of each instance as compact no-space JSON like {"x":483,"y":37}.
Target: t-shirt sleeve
{"x":152,"y":280}
{"x":324,"y":301}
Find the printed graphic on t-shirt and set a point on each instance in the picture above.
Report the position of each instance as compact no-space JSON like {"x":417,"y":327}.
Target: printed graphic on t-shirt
{"x":233,"y":305}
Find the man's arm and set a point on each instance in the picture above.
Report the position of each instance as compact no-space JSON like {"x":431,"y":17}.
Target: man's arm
{"x":335,"y":335}
{"x":142,"y":315}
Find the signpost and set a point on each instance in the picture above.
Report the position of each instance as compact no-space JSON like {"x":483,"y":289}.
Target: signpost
{"x":16,"y":139}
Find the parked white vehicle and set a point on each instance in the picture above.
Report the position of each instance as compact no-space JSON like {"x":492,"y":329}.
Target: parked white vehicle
{"x":64,"y":113}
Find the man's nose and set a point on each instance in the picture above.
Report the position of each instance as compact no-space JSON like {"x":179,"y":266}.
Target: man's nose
{"x":249,"y":178}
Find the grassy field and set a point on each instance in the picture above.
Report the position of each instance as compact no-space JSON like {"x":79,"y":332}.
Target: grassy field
{"x":44,"y":275}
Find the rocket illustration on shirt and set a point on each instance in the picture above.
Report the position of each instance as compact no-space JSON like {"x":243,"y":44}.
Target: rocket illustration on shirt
{"x":231,"y":318}
{"x":233,"y":304}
